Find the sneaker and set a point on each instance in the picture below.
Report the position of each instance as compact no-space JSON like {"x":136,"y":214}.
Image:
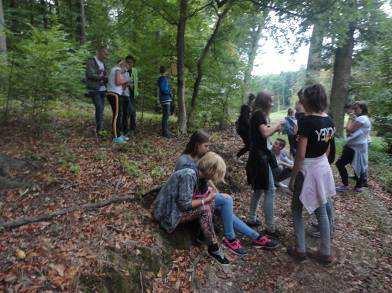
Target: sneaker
{"x":219,"y":257}
{"x":265,"y":242}
{"x":358,"y":189}
{"x":254,"y":223}
{"x":118,"y":140}
{"x":234,"y":246}
{"x":294,"y":253}
{"x":342,"y":188}
{"x":322,"y":259}
{"x":276,"y":234}
{"x":125,"y":138}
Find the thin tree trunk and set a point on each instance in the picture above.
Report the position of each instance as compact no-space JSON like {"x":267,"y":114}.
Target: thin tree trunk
{"x":341,"y":78}
{"x":45,"y":20}
{"x":182,"y":119}
{"x":200,"y":61}
{"x":82,"y":36}
{"x":3,"y":41}
{"x":314,"y":58}
{"x":254,"y":45}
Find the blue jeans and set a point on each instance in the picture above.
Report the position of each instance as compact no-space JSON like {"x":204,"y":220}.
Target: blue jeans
{"x":323,"y":218}
{"x":98,"y":98}
{"x":231,"y":223}
{"x":268,"y":205}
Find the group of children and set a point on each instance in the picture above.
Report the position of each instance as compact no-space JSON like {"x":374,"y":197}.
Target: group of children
{"x":190,"y":193}
{"x":120,"y":87}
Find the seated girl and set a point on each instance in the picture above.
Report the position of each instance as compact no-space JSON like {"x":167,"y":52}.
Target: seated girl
{"x":195,"y":151}
{"x":175,"y":203}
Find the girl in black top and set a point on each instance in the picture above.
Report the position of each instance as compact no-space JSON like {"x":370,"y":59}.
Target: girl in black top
{"x":261,"y":162}
{"x":312,"y":180}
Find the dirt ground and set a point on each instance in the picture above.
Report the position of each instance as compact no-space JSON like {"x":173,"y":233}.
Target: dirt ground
{"x":120,"y":249}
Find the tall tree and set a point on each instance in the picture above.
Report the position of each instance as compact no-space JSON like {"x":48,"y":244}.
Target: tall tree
{"x":255,"y":36}
{"x":181,"y":25}
{"x":341,"y":78}
{"x":82,"y":32}
{"x":314,"y":57}
{"x":200,"y":61}
{"x":3,"y":42}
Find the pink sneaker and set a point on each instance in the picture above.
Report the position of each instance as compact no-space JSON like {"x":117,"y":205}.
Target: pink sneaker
{"x":265,"y":242}
{"x":234,"y":246}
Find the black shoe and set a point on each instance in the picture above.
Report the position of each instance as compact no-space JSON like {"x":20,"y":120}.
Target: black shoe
{"x":276,"y":234}
{"x":255,"y":223}
{"x":219,"y":257}
{"x":168,"y":135}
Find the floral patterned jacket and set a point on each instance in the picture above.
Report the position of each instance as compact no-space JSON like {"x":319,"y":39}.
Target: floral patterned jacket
{"x":174,"y":198}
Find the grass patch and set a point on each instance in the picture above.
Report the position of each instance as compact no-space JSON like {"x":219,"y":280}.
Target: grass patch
{"x":130,"y":167}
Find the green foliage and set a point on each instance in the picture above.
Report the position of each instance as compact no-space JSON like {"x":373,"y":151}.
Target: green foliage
{"x":130,"y":167}
{"x":46,"y":68}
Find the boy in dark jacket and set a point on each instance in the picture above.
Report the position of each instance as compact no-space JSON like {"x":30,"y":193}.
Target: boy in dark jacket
{"x":165,"y":99}
{"x":96,"y":79}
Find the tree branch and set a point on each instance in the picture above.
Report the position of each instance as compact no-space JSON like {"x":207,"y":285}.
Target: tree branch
{"x":210,"y":3}
{"x":89,"y":206}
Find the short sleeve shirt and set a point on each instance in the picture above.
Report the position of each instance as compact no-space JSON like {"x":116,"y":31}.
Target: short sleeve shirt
{"x":319,"y":131}
{"x":257,"y":140}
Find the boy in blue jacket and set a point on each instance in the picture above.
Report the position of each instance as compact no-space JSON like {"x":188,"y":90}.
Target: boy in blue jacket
{"x":165,"y":98}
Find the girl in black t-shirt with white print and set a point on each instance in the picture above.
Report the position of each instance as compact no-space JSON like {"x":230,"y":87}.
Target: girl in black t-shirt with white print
{"x":312,"y":181}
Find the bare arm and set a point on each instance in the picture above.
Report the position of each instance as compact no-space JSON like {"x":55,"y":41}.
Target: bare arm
{"x":299,"y":159}
{"x":352,"y":127}
{"x":267,"y":131}
{"x":119,"y":79}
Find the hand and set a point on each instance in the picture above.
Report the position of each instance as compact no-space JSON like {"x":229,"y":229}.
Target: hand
{"x":291,"y":184}
{"x":211,"y":196}
{"x":279,"y":126}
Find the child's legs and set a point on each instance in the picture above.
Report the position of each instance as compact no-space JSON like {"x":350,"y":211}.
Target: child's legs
{"x":296,"y":208}
{"x":254,"y":204}
{"x":204,"y":214}
{"x":269,"y":198}
{"x":224,"y":204}
{"x":243,"y":228}
{"x":345,"y":159}
{"x":325,"y":232}
{"x":330,"y":213}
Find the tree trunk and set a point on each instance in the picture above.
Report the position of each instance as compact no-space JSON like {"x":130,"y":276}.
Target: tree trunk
{"x":341,"y":78}
{"x":45,"y":20}
{"x":3,"y":42}
{"x":182,"y":119}
{"x":200,"y":61}
{"x":254,"y":45}
{"x":82,"y":36}
{"x":314,"y":58}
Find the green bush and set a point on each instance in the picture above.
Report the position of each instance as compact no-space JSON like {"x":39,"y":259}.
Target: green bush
{"x":46,"y":67}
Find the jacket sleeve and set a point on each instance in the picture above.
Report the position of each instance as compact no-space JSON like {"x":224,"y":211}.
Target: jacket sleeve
{"x":91,"y":73}
{"x":163,"y":85}
{"x":185,"y":192}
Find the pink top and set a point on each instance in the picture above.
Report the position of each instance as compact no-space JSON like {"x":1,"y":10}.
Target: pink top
{"x":318,"y":183}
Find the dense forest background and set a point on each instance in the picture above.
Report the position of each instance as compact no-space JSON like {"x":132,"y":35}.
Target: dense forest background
{"x":209,"y":46}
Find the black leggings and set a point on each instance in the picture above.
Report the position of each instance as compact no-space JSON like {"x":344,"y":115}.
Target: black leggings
{"x":345,"y":159}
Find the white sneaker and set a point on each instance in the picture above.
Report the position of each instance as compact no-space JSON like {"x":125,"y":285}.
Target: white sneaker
{"x":126,"y":138}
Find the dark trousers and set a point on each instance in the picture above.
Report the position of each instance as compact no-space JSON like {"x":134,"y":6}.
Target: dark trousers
{"x":98,"y":98}
{"x":245,"y":149}
{"x":345,"y":159}
{"x":128,"y":113}
{"x":115,"y":101}
{"x":165,"y":119}
{"x":293,"y":144}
